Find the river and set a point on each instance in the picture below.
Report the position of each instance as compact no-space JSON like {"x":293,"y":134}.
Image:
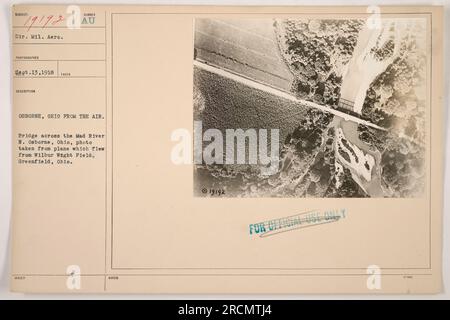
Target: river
{"x":373,"y":187}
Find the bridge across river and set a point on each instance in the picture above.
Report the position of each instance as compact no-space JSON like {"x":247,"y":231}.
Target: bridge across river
{"x":280,"y":93}
{"x":247,"y":52}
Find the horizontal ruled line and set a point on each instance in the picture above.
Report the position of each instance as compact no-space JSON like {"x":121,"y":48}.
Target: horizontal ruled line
{"x":60,"y":27}
{"x":69,"y":60}
{"x":60,"y":43}
{"x":59,"y":77}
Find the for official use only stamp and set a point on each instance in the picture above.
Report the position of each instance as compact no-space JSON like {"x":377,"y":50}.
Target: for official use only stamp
{"x":298,"y":221}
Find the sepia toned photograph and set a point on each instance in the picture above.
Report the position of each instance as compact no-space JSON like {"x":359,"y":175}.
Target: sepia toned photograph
{"x":338,"y":107}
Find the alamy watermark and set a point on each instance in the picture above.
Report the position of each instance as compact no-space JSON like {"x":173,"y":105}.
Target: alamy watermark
{"x":374,"y":277}
{"x":73,"y":281}
{"x":239,"y":146}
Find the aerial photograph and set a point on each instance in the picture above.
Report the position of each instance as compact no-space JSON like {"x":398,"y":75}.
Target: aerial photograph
{"x":350,"y":101}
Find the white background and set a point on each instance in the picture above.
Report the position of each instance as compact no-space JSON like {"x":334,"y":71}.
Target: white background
{"x":5,"y":151}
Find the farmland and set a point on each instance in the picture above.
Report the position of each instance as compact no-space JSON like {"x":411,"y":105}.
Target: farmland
{"x":248,"y":48}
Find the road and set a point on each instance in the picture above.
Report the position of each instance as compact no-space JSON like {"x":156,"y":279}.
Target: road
{"x":280,"y":93}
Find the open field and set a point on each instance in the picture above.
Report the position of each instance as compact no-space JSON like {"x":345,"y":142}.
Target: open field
{"x":247,"y":47}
